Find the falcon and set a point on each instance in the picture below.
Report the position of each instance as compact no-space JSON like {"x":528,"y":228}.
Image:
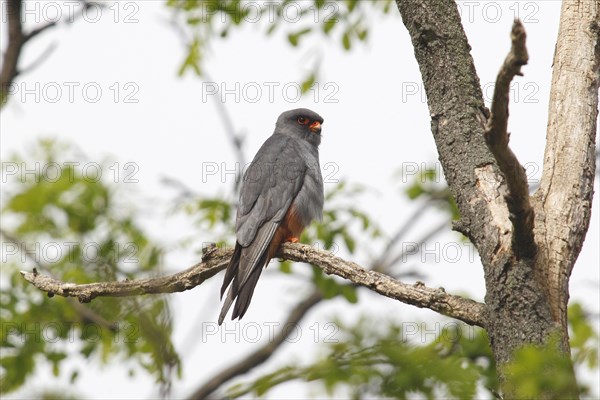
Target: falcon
{"x":282,"y":192}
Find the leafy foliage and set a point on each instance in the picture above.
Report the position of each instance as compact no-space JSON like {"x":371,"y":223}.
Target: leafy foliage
{"x":377,"y":359}
{"x":68,"y":225}
{"x":342,"y":21}
{"x":555,"y":380}
{"x":381,"y":359}
{"x":584,"y":339}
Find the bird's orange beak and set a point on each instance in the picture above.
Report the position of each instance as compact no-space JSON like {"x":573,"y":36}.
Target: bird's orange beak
{"x":315,"y":127}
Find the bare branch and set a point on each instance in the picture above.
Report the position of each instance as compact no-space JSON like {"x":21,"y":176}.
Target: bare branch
{"x":263,"y":353}
{"x":16,"y":39}
{"x":236,"y":139}
{"x":497,"y":138}
{"x":39,"y":30}
{"x":466,"y":310}
{"x":215,"y":260}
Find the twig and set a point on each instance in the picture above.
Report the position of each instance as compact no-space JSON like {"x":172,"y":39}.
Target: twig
{"x":39,"y":30}
{"x":262,"y":354}
{"x":497,"y":138}
{"x":380,"y":264}
{"x":235,"y":139}
{"x":405,"y":253}
{"x":215,"y":260}
{"x":17,"y":39}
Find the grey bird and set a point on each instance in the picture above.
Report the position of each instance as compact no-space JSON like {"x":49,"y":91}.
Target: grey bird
{"x":282,"y":192}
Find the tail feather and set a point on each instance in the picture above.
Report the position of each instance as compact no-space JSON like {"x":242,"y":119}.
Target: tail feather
{"x":245,"y":293}
{"x":241,"y":295}
{"x":245,"y":267}
{"x":232,"y":268}
{"x":227,"y":305}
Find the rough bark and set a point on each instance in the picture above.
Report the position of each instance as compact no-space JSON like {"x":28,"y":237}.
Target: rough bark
{"x":518,"y":310}
{"x":563,"y":201}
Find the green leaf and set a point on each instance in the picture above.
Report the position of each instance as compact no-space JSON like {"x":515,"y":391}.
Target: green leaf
{"x":294,"y":38}
{"x":349,"y":241}
{"x":308,"y":83}
{"x":74,"y":376}
{"x":350,"y":293}
{"x":346,"y":41}
{"x":414,"y":191}
{"x":583,"y":337}
{"x":362,"y":35}
{"x":351,"y":4}
{"x":329,"y":24}
{"x":272,"y":29}
{"x":285,"y":267}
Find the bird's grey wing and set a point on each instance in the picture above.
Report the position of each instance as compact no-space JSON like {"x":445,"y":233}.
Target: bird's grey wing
{"x":267,"y":193}
{"x":270,"y":183}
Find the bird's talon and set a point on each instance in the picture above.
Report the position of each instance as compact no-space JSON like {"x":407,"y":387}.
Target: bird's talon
{"x":292,"y":239}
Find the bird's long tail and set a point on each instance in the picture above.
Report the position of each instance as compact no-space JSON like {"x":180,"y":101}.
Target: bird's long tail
{"x":244,"y":293}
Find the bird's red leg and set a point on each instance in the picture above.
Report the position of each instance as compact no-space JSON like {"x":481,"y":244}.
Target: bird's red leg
{"x":292,"y":239}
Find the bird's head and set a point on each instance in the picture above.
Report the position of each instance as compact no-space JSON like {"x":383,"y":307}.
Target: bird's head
{"x":302,"y":123}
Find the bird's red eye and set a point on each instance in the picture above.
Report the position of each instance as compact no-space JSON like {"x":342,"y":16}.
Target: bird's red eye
{"x":302,"y":120}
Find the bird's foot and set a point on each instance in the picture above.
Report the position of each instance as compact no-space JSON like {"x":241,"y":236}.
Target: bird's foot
{"x":292,"y":239}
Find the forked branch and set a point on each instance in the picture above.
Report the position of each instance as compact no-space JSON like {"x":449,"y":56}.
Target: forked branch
{"x":497,"y":138}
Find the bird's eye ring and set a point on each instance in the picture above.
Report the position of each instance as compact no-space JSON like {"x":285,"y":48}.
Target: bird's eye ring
{"x":302,"y":120}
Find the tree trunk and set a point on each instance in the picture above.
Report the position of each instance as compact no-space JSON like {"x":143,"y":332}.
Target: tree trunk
{"x":563,"y":202}
{"x":526,"y":291}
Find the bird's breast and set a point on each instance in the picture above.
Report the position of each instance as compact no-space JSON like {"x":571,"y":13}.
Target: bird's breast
{"x":310,"y":198}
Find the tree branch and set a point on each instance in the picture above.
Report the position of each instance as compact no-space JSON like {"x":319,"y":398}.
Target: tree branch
{"x":497,"y":138}
{"x":563,"y":202}
{"x":215,"y":260}
{"x":263,"y":353}
{"x":466,"y":310}
{"x":16,"y":39}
